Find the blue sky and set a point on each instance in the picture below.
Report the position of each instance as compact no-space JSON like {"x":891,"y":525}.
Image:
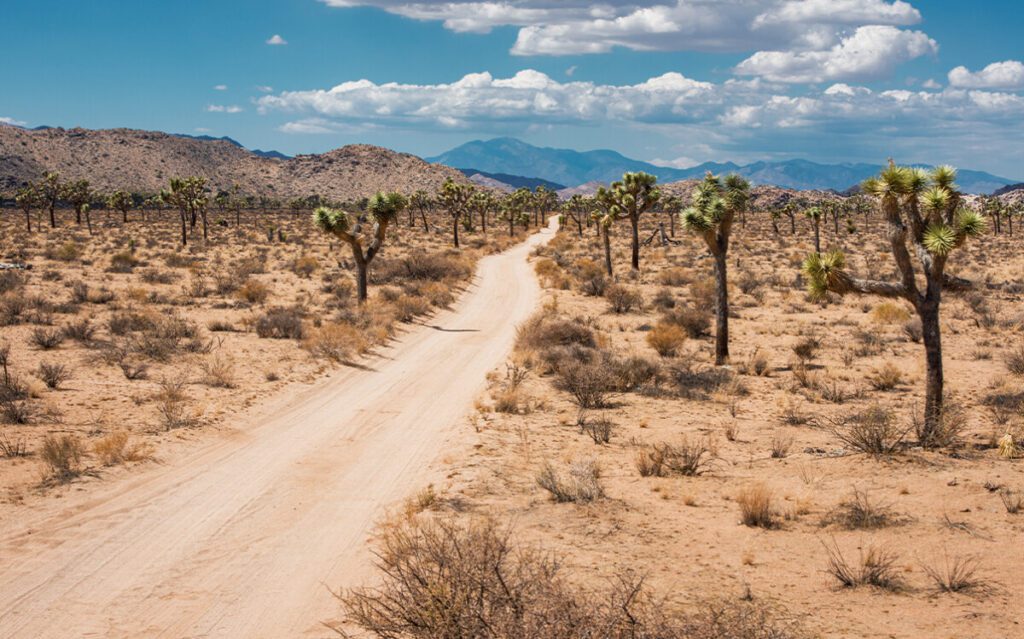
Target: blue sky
{"x":674,"y":81}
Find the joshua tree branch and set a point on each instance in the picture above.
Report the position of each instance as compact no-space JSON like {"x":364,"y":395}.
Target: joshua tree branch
{"x":877,"y":287}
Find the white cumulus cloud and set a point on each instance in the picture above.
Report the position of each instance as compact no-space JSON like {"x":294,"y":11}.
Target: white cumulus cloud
{"x":276,"y":40}
{"x":998,"y":75}
{"x":221,"y":108}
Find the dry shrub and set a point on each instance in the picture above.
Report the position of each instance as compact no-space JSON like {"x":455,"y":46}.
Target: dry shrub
{"x":544,"y":331}
{"x":1013,"y":500}
{"x":253,"y":291}
{"x":757,"y":364}
{"x":305,"y":265}
{"x":81,"y":331}
{"x":590,"y":383}
{"x":913,"y":330}
{"x":781,"y":445}
{"x":443,"y":579}
{"x":408,"y":307}
{"x":697,"y":381}
{"x":1015,"y":361}
{"x":689,"y":458}
{"x":53,"y":375}
{"x":623,"y":299}
{"x":696,"y":321}
{"x":886,"y":378}
{"x":218,"y":372}
{"x":340,"y":342}
{"x":117,"y":448}
{"x":873,"y":431}
{"x":956,"y":574}
{"x":171,"y":405}
{"x":591,"y":277}
{"x":755,"y":502}
{"x":890,"y":313}
{"x":674,"y":276}
{"x":600,"y":429}
{"x":62,"y":457}
{"x":280,"y":323}
{"x":46,"y":338}
{"x":860,"y":512}
{"x":951,"y":423}
{"x":704,"y":292}
{"x":806,"y":348}
{"x":582,"y":482}
{"x":876,"y":566}
{"x":666,"y":339}
{"x":13,"y":449}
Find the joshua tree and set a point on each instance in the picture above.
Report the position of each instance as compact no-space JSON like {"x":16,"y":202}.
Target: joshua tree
{"x":382,"y":210}
{"x":774,"y":216}
{"x":121,"y":201}
{"x":544,"y":200}
{"x":635,"y":195}
{"x":27,"y":198}
{"x":814,"y":215}
{"x":420,"y":201}
{"x":189,"y":196}
{"x":606,"y":211}
{"x":50,"y":192}
{"x":80,"y":194}
{"x":455,"y":197}
{"x":482,"y":202}
{"x":925,"y":216}
{"x":715,"y":205}
{"x":577,"y":208}
{"x":671,"y":205}
{"x":789,"y":210}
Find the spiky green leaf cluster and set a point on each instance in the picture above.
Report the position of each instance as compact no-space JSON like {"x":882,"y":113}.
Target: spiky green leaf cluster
{"x":970,"y":223}
{"x":939,"y":239}
{"x":332,"y":220}
{"x":826,"y":273}
{"x":386,"y":206}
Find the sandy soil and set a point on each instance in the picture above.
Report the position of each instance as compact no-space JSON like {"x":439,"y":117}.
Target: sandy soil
{"x":242,"y":536}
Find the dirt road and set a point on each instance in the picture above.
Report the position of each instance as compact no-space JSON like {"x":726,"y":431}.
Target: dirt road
{"x":243,"y":537}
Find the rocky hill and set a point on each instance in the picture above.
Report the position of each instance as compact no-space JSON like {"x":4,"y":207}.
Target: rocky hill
{"x":143,"y":162}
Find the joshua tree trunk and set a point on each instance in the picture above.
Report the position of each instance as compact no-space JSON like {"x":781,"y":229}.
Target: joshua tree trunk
{"x":455,"y":230}
{"x":932,"y":337}
{"x":511,"y":225}
{"x":792,"y":225}
{"x":607,"y":251}
{"x":483,"y":221}
{"x":184,"y":228}
{"x":423,"y":218}
{"x":360,"y":274}
{"x":721,"y":310}
{"x":88,"y":221}
{"x":53,"y":218}
{"x":205,"y":235}
{"x":634,"y":223}
{"x":671,"y":225}
{"x":817,"y":235}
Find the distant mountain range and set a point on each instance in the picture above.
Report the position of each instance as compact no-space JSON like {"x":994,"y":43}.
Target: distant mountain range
{"x":273,"y":155}
{"x":511,"y":181}
{"x":512,"y":157}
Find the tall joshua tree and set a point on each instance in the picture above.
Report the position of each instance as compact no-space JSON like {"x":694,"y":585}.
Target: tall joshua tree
{"x":27,"y":198}
{"x":606,"y":211}
{"x":924,"y":215}
{"x":79,"y":195}
{"x":814,"y":215}
{"x":715,"y":205}
{"x":189,"y":196}
{"x":121,"y":201}
{"x":382,"y":210}
{"x":420,"y":201}
{"x":634,"y":196}
{"x":455,"y":197}
{"x":50,"y":192}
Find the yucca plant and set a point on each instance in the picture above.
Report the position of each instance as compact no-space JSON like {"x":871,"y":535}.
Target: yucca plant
{"x":456,"y":198}
{"x":715,"y":205}
{"x":925,"y":216}
{"x":814,"y":214}
{"x":382,"y":210}
{"x":50,"y":192}
{"x":80,"y":195}
{"x":634,"y":195}
{"x":121,"y":201}
{"x":606,"y":211}
{"x":27,"y":198}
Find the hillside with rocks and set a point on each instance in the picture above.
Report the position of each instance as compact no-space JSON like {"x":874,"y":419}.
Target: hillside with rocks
{"x":144,"y":161}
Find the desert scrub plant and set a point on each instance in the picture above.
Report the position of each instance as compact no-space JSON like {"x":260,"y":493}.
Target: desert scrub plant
{"x":599,"y":429}
{"x":695,"y":321}
{"x":715,"y":204}
{"x":925,"y":211}
{"x":117,"y":448}
{"x":218,"y":372}
{"x":885,"y":378}
{"x":172,"y":404}
{"x":860,"y":512}
{"x":876,"y":566}
{"x":1013,"y":500}
{"x":590,"y":384}
{"x":958,"y":573}
{"x":890,"y":313}
{"x":1015,"y":361}
{"x":543,"y":331}
{"x":623,"y":299}
{"x":53,"y":375}
{"x":281,"y":323}
{"x":381,"y":211}
{"x":440,"y":578}
{"x":756,"y":507}
{"x":781,"y":445}
{"x":873,"y":431}
{"x":666,"y":339}
{"x":253,"y":291}
{"x":581,"y":483}
{"x":337,"y":341}
{"x":62,"y":457}
{"x":46,"y":338}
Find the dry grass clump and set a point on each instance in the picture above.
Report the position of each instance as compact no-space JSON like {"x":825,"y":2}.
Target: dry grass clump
{"x":890,"y":313}
{"x":218,"y":372}
{"x":544,"y":331}
{"x":696,"y":321}
{"x":338,"y":341}
{"x":873,"y":431}
{"x":46,"y":338}
{"x":253,"y":291}
{"x":756,"y":509}
{"x":860,"y":512}
{"x":582,"y":482}
{"x":689,"y":458}
{"x":281,"y":323}
{"x":118,"y":448}
{"x":62,"y":457}
{"x":589,"y":383}
{"x":691,"y":380}
{"x":172,"y":404}
{"x":956,"y":574}
{"x":876,"y":567}
{"x":886,"y":378}
{"x":53,"y":375}
{"x":1013,"y":500}
{"x":599,"y":429}
{"x":951,"y":424}
{"x":666,"y":339}
{"x":13,"y":449}
{"x":623,"y":299}
{"x":1015,"y":361}
{"x":442,"y":579}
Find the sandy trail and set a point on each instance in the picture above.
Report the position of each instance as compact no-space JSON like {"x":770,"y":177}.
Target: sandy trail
{"x":243,"y":537}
